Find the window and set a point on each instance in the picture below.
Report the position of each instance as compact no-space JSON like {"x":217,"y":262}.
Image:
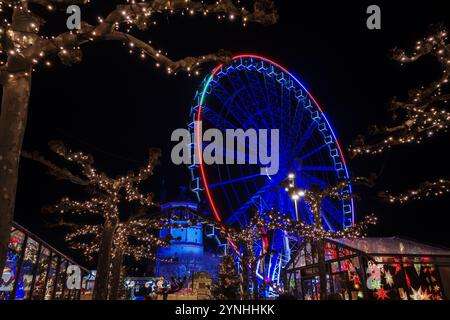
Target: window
{"x":23,"y":290}
{"x":9,"y":274}
{"x":41,"y":274}
{"x":61,"y":280}
{"x":51,"y":278}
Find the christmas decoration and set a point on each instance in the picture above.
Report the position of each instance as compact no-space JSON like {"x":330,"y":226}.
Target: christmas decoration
{"x":382,"y":294}
{"x":389,"y":278}
{"x":27,"y":44}
{"x":426,"y":190}
{"x":176,"y":285}
{"x":108,"y":194}
{"x":228,"y":286}
{"x":374,"y":279}
{"x":423,"y":114}
{"x":314,"y":199}
{"x":420,"y":295}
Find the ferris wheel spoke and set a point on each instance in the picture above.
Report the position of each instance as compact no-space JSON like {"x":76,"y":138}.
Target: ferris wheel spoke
{"x":246,"y":205}
{"x":285,"y":108}
{"x":312,"y":180}
{"x":238,"y":112}
{"x":299,"y":122}
{"x":247,"y":98}
{"x":306,"y":213}
{"x":304,"y":139}
{"x":221,"y":123}
{"x":234,"y":189}
{"x":226,"y":182}
{"x":317,"y":168}
{"x":275,"y":103}
{"x":272,"y":92}
{"x":309,"y":154}
{"x":326,"y":222}
{"x":297,"y":119}
{"x":259,"y":96}
{"x":217,"y":120}
{"x":236,"y":154}
{"x":223,"y":187}
{"x":332,"y":211}
{"x":263,"y":105}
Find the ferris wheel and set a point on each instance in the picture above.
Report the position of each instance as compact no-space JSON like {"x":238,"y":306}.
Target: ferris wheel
{"x":255,"y":92}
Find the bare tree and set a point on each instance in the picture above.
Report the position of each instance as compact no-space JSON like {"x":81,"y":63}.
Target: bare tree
{"x":108,"y":194}
{"x":24,"y":44}
{"x":423,"y":114}
{"x":425,"y":190}
{"x":134,"y":238}
{"x":419,"y":117}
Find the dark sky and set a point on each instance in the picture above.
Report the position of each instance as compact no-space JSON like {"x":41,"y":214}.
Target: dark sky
{"x":116,"y":106}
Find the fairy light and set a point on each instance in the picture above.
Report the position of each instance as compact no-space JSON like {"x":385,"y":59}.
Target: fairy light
{"x":426,"y":190}
{"x":314,"y":199}
{"x":109,"y":193}
{"x":119,"y":24}
{"x":133,"y":238}
{"x":423,"y":114}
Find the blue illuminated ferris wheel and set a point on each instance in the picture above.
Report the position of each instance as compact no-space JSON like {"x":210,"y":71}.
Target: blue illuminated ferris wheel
{"x":255,"y":92}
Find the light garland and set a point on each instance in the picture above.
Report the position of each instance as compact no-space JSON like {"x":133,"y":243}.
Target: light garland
{"x":423,"y":114}
{"x":23,"y":47}
{"x":109,"y":194}
{"x":133,"y":238}
{"x":428,"y":189}
{"x":314,"y":199}
{"x":109,"y":189}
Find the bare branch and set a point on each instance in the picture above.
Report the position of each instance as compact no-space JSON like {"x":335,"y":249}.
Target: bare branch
{"x":425,"y":190}
{"x":58,"y":172}
{"x":423,"y":114}
{"x":50,"y":3}
{"x":67,"y":45}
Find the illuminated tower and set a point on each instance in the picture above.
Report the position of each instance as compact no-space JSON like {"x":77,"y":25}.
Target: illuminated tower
{"x":186,"y":248}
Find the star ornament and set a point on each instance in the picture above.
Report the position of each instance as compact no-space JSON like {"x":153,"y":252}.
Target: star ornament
{"x":382,"y":294}
{"x":389,"y":278}
{"x":419,"y":295}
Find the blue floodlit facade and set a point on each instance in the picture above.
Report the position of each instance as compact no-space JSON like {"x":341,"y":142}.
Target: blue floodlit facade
{"x":187,"y":250}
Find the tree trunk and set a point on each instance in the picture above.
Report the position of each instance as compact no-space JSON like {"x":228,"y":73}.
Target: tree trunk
{"x":255,"y":282}
{"x":322,"y":268}
{"x":116,"y":274}
{"x":253,"y":265}
{"x":320,"y":247}
{"x":104,"y":262}
{"x":13,"y":119}
{"x":245,"y":275}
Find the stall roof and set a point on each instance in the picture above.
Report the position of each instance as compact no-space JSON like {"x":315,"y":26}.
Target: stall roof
{"x":392,"y":246}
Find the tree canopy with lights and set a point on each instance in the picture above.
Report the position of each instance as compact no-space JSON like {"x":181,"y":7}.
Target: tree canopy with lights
{"x":107,"y":196}
{"x":25,"y":44}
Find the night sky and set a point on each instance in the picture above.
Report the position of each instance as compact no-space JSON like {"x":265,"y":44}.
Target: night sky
{"x":117,"y":106}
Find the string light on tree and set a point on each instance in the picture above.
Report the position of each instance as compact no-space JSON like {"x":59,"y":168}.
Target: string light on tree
{"x":108,"y":194}
{"x":426,"y":190}
{"x":424,"y":113}
{"x":24,"y":47}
